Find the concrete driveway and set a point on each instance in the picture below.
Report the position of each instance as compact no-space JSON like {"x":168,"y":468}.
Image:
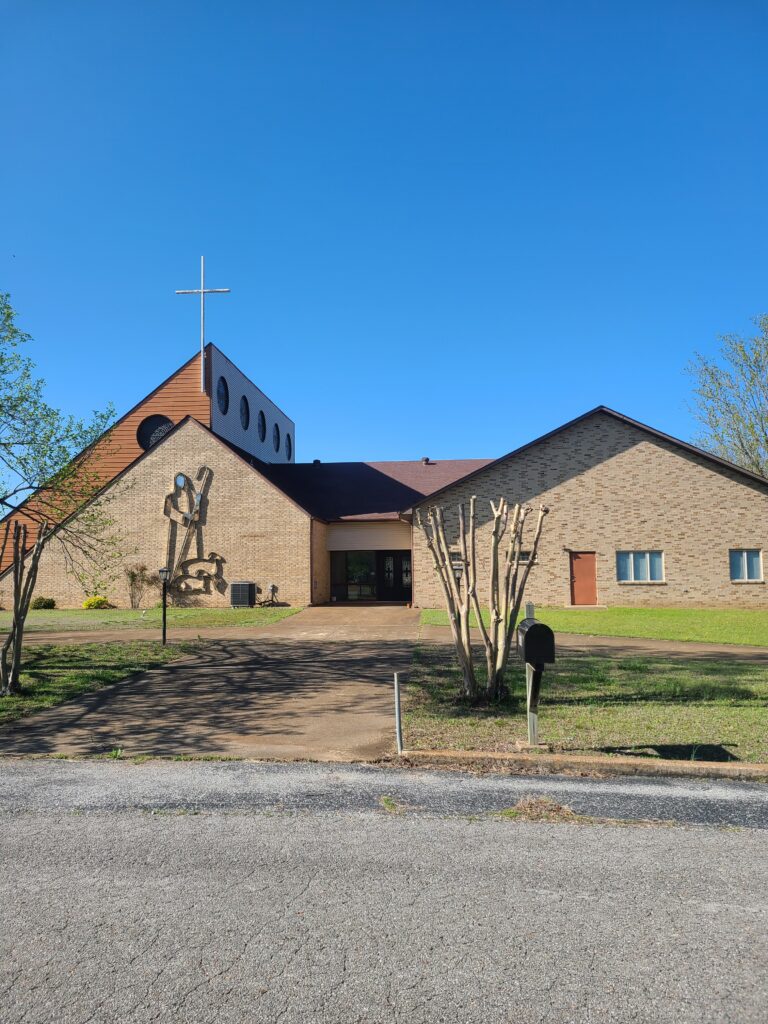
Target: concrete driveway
{"x":317,"y":685}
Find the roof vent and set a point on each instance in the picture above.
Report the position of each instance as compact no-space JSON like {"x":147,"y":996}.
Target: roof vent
{"x":315,"y":462}
{"x":425,"y":460}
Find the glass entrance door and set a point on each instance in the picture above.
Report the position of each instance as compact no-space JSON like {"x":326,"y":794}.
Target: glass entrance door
{"x":393,"y":573}
{"x":353,"y":575}
{"x":371,"y":576}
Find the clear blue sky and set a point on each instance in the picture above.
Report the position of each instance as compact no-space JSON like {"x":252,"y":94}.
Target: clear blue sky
{"x":448,"y":227}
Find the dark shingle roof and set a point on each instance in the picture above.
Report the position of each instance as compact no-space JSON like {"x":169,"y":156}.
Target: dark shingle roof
{"x":385,"y":490}
{"x":365,"y":490}
{"x":361,"y":490}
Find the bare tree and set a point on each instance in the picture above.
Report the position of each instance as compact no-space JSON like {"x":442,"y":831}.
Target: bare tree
{"x":731,"y":399}
{"x":508,"y":576}
{"x":140,"y":580}
{"x":24,"y":574}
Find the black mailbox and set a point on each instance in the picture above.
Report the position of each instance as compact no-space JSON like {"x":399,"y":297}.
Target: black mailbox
{"x":535,"y":642}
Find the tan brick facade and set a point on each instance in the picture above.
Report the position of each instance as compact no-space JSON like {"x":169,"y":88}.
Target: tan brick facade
{"x":321,"y":564}
{"x":261,"y":534}
{"x":611,"y":486}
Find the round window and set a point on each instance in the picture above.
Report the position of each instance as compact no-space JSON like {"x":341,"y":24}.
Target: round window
{"x":245,"y":413}
{"x":152,"y":429}
{"x":288,"y":447}
{"x":262,"y":426}
{"x":222,"y":395}
{"x":276,"y":438}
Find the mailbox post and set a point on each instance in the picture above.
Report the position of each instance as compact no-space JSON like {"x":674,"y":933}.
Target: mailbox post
{"x":536,"y":644}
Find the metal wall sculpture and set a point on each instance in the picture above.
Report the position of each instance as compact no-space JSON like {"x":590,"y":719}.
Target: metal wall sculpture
{"x":192,"y":571}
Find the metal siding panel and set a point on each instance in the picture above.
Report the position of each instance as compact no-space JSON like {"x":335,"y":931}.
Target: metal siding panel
{"x":229,"y":426}
{"x":369,"y":537}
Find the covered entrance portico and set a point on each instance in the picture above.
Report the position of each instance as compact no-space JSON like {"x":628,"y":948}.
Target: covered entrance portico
{"x":370,"y":561}
{"x":371,"y":576}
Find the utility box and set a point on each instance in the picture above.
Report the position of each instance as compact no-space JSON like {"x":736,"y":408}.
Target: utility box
{"x":242,"y":594}
{"x":535,"y":642}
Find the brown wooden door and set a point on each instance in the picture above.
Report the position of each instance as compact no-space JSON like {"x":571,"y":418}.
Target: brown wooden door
{"x":583,"y":578}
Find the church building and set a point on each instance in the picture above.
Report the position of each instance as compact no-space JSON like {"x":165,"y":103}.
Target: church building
{"x":201,"y":477}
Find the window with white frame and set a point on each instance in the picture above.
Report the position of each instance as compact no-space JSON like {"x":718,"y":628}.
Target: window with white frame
{"x":640,"y":566}
{"x":746,"y":565}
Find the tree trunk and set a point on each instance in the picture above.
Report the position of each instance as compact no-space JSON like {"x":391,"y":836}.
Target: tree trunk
{"x":24,"y":574}
{"x":506,"y":587}
{"x":456,"y":605}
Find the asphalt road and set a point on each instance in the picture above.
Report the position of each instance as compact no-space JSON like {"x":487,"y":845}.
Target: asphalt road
{"x":237,"y":892}
{"x":48,"y":785}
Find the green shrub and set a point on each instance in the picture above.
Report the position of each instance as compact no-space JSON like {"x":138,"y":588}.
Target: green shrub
{"x":38,"y":603}
{"x":91,"y":603}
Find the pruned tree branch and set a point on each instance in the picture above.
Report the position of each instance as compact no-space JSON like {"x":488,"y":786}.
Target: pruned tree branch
{"x":506,"y":585}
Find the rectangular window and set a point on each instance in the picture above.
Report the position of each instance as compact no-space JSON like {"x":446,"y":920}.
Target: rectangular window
{"x":640,"y":566}
{"x":657,"y":565}
{"x":746,"y":565}
{"x":624,"y":566}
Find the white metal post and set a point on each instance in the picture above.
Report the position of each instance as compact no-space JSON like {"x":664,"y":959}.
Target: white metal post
{"x":533,"y":717}
{"x":398,"y":718}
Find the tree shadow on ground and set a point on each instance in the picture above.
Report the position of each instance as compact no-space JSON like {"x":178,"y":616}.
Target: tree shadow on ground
{"x":586,"y":680}
{"x":677,"y":751}
{"x":229,"y":693}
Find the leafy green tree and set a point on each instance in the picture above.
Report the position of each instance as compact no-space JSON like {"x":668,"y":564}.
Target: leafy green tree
{"x":731,"y":399}
{"x":45,"y":475}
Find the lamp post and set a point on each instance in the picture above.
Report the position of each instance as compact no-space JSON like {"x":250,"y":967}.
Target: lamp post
{"x":165,"y":575}
{"x":458,"y":571}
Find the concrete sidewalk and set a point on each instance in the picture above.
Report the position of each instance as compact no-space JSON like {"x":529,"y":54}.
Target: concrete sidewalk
{"x":369,"y":623}
{"x":325,"y":622}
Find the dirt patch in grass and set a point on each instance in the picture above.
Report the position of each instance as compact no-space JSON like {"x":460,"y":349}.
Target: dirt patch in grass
{"x":539,"y":808}
{"x":671,"y":709}
{"x":543,"y":809}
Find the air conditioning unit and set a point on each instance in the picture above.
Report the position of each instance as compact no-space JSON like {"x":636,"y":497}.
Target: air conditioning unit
{"x":242,"y":595}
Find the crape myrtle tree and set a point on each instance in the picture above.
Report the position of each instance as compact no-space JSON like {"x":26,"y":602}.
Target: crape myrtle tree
{"x":731,"y":399}
{"x":45,"y":477}
{"x":456,"y":568}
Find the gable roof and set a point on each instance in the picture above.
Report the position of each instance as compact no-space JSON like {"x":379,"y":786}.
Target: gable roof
{"x":658,"y":435}
{"x":187,"y":421}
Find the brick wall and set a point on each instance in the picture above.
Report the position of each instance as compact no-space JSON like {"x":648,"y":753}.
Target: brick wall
{"x":261,"y":535}
{"x":613,"y":487}
{"x":321,"y":564}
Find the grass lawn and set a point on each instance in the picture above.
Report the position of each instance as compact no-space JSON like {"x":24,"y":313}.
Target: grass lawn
{"x":53,"y":673}
{"x":59,"y":620}
{"x":681,"y":708}
{"x":707,"y":625}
